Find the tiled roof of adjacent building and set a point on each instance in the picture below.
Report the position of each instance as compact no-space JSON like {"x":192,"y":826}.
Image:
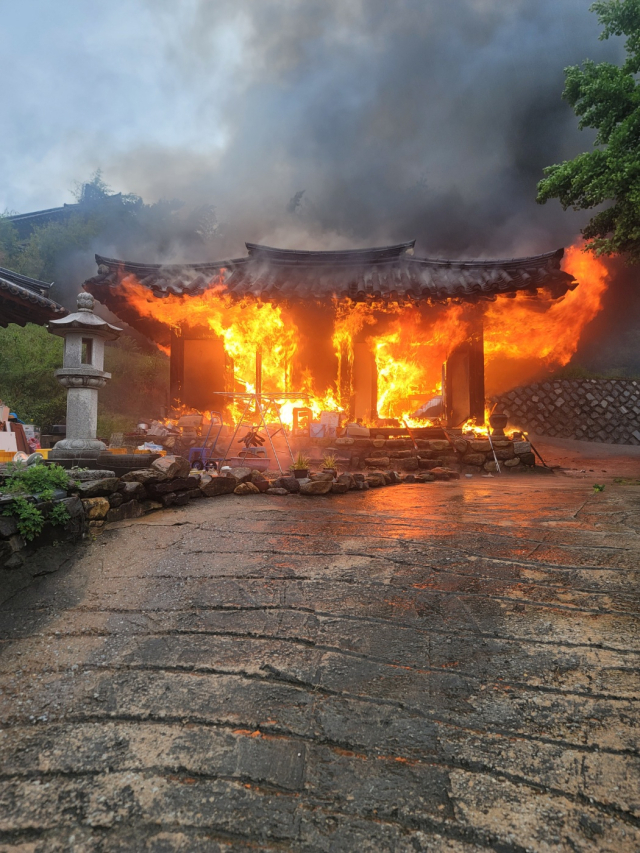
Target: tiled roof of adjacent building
{"x":25,"y":300}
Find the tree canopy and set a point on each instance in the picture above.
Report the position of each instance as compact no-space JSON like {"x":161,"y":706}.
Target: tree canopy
{"x":606,"y":97}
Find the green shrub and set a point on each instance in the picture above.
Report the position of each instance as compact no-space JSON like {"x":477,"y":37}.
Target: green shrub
{"x":29,"y":519}
{"x":59,"y":515}
{"x":36,"y":479}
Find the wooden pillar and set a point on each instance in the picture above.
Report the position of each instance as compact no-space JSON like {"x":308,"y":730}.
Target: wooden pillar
{"x":176,"y":368}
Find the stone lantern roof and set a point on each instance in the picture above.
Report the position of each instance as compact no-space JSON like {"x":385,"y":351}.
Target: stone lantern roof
{"x":84,"y":320}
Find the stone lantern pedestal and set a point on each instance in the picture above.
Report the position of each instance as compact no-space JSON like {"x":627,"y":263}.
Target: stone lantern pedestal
{"x":82,"y":375}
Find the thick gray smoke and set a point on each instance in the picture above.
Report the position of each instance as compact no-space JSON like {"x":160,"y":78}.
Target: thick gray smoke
{"x":412,"y":118}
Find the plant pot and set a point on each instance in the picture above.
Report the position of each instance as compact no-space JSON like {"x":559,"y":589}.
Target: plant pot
{"x":300,"y":473}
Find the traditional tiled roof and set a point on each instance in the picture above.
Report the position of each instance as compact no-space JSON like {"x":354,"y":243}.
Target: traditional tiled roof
{"x":24,"y":300}
{"x":387,"y":273}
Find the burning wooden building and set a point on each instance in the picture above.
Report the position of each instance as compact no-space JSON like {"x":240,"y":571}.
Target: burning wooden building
{"x":373,"y":332}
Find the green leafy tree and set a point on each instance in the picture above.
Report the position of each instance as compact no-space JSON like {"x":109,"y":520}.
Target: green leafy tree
{"x":606,"y":97}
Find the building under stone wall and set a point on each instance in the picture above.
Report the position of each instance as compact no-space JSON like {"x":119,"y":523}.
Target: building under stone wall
{"x":606,"y":410}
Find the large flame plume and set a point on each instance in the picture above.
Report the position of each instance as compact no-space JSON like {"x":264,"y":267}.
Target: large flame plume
{"x":409,"y":343}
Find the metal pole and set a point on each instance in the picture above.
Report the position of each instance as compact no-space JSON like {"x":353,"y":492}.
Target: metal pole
{"x":494,"y":453}
{"x":266,"y":429}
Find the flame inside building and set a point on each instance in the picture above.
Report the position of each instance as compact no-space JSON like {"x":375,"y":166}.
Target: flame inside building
{"x":373,"y":333}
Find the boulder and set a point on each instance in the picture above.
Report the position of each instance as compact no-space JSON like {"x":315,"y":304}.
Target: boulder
{"x":411,"y":464}
{"x":444,"y":474}
{"x":97,"y":488}
{"x":276,"y":491}
{"x":217,"y":486}
{"x":143,"y":475}
{"x":439,"y":444}
{"x":262,"y":485}
{"x":461,"y":445}
{"x":400,"y":454}
{"x":8,"y":526}
{"x":480,"y":445}
{"x":422,"y":443}
{"x":149,"y":506}
{"x":181,"y":499}
{"x":172,"y":466}
{"x":521,"y":447}
{"x":528,"y":459}
{"x":83,"y":475}
{"x":246,"y":489}
{"x":291,"y":484}
{"x":397,"y":444}
{"x":378,"y":442}
{"x":194,"y":494}
{"x":346,"y":479}
{"x":427,"y":477}
{"x":379,"y":462}
{"x":512,"y":463}
{"x":410,"y":478}
{"x":474,"y":459}
{"x":491,"y":467}
{"x":504,"y":453}
{"x":339,"y":488}
{"x":345,"y":441}
{"x":168,"y":500}
{"x":376,"y":480}
{"x":392,"y":477}
{"x":502,"y":443}
{"x":322,"y":476}
{"x":132,"y":491}
{"x":116,"y":500}
{"x":258,"y":477}
{"x":315,"y":487}
{"x":95,"y":508}
{"x":240,"y":474}
{"x":131,"y":509}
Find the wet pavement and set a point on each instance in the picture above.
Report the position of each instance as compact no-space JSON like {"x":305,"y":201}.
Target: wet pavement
{"x":441,"y":667}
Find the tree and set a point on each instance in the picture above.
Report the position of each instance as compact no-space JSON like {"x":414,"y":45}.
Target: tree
{"x":606,"y":97}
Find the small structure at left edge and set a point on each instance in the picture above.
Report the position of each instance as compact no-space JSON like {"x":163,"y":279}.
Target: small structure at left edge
{"x":82,"y":375}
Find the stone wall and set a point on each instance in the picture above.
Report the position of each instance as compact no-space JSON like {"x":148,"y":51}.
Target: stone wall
{"x":606,"y":410}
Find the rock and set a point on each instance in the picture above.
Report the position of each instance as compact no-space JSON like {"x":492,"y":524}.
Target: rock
{"x":322,"y":476}
{"x":181,"y":499}
{"x":96,"y":527}
{"x":276,"y":491}
{"x":504,"y":453}
{"x":132,"y":491}
{"x":149,"y":506}
{"x":95,"y":508}
{"x":491,"y":467}
{"x":502,"y":443}
{"x":481,"y":445}
{"x":143,"y":475}
{"x":378,"y":442}
{"x":116,"y":500}
{"x":217,"y":486}
{"x":474,"y":459}
{"x":521,"y":447}
{"x":84,"y":476}
{"x":262,"y":485}
{"x":422,"y":443}
{"x":346,"y":479}
{"x":400,"y":454}
{"x":132,"y":509}
{"x":246,"y":489}
{"x":439,"y":444}
{"x":461,"y":445}
{"x":410,"y":478}
{"x":240,"y":474}
{"x":339,"y":488}
{"x":377,"y":462}
{"x":397,"y":444}
{"x":97,"y":488}
{"x":441,"y":473}
{"x":512,"y":463}
{"x":376,"y":480}
{"x":528,"y":459}
{"x":393,"y":477}
{"x":411,"y":464}
{"x":345,"y":441}
{"x":194,"y":494}
{"x":315,"y":487}
{"x":425,"y":478}
{"x":8,"y":526}
{"x":168,"y":500}
{"x":258,"y":477}
{"x":291,"y":484}
{"x":171,"y":466}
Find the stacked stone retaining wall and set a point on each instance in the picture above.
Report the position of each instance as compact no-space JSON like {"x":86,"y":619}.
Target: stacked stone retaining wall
{"x":606,"y":410}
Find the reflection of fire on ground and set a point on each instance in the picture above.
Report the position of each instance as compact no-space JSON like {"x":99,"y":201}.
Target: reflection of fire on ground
{"x":373,"y":359}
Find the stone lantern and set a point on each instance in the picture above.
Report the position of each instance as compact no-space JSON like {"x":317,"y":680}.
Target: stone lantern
{"x":84,"y":335}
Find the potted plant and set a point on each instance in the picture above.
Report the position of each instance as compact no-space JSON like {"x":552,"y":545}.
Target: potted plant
{"x":329,"y":464}
{"x":300,"y":467}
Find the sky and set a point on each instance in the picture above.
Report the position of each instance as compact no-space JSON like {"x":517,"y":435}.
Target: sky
{"x":394,"y":119}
